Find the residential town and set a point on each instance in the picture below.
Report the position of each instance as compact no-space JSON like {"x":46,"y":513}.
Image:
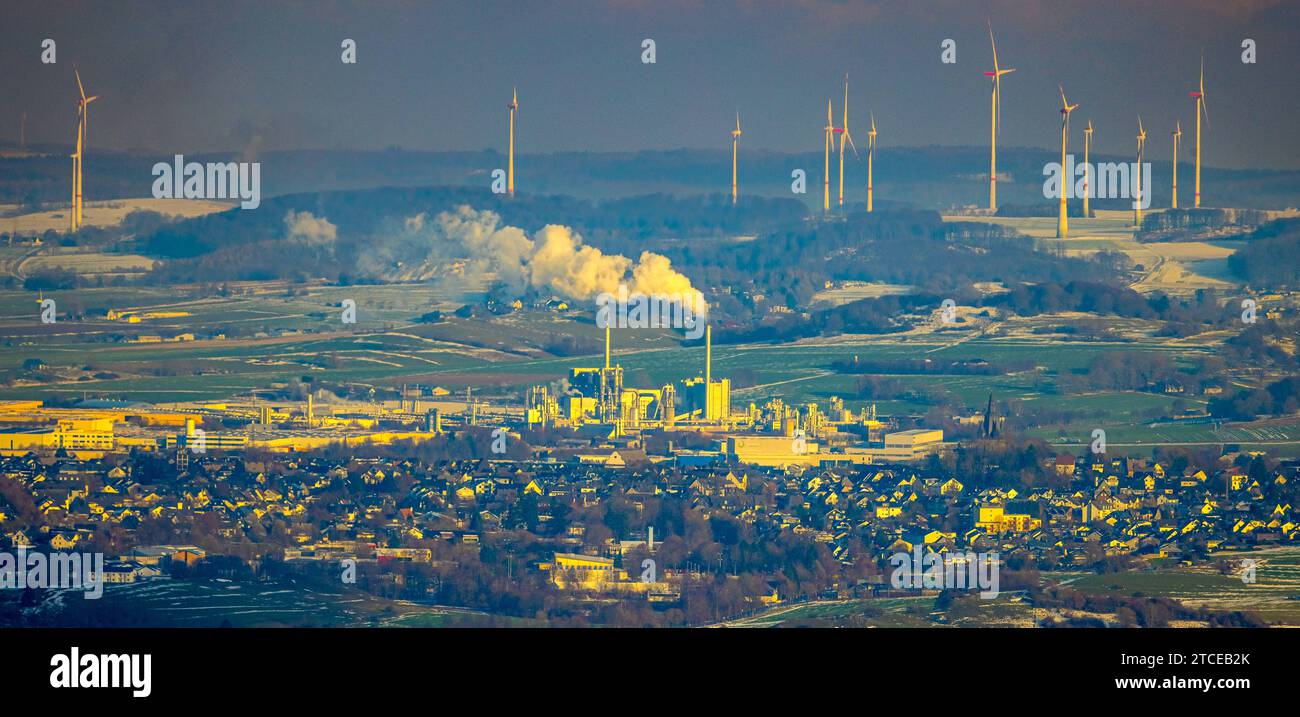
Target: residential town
{"x":569,"y":533}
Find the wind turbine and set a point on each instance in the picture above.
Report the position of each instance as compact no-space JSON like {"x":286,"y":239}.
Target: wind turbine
{"x":1200,"y":108}
{"x":83,"y":139}
{"x":1137,"y":205}
{"x":826,"y":167}
{"x":1177,"y":133}
{"x":510,"y":157}
{"x":995,"y":112}
{"x":844,"y":134}
{"x":735,"y":137}
{"x":1087,"y":168}
{"x":871,"y":157}
{"x":1062,"y":223}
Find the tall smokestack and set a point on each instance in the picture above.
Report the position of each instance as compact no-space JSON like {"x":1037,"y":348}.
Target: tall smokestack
{"x":607,"y":347}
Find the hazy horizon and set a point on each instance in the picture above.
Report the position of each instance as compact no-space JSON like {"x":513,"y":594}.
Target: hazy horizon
{"x":190,"y":78}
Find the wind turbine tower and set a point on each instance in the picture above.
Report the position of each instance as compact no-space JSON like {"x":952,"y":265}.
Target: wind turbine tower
{"x":510,"y":158}
{"x":76,"y":185}
{"x":83,"y":139}
{"x":995,"y":125}
{"x":826,"y":165}
{"x":1137,"y":205}
{"x":1177,"y":133}
{"x":1087,"y":168}
{"x":1063,"y":223}
{"x":735,"y":138}
{"x":871,"y":160}
{"x":844,"y":135}
{"x":1200,"y":109}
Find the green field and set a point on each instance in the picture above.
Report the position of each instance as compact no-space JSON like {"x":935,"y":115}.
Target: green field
{"x":1005,"y":610}
{"x":1279,"y":437}
{"x":1275,"y":595}
{"x":214,"y":602}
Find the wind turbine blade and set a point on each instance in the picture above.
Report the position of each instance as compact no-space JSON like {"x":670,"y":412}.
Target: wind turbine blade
{"x":82,"y":89}
{"x":995,"y":47}
{"x":1204,"y":108}
{"x":846,"y":101}
{"x":851,"y":145}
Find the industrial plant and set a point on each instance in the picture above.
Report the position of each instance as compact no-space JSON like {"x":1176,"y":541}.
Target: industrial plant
{"x":595,"y":403}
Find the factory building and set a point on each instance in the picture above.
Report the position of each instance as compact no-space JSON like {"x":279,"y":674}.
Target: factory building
{"x":74,"y":435}
{"x":782,"y":450}
{"x":774,"y":451}
{"x":912,"y":444}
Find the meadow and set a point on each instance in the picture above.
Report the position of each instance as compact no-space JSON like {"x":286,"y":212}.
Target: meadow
{"x":1275,"y":594}
{"x":214,"y":602}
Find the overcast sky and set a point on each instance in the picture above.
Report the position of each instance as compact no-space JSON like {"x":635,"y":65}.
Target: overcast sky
{"x":183,"y":76}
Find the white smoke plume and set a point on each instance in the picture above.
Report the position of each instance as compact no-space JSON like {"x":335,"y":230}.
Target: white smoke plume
{"x":307,"y":228}
{"x":555,"y":260}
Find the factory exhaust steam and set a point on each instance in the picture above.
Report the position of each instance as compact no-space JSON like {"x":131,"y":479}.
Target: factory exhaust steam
{"x":554,"y":260}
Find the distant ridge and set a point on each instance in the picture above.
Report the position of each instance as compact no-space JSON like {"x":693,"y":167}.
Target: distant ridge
{"x":933,"y":177}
